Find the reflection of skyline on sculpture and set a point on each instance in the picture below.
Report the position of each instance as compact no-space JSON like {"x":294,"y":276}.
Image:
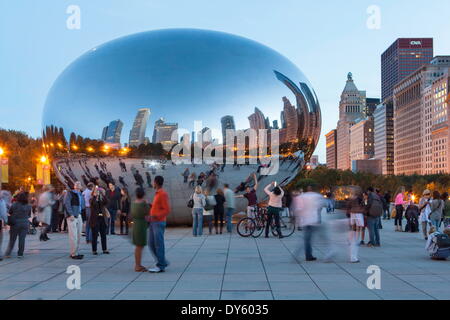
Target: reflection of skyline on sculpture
{"x":223,"y":107}
{"x":228,"y":74}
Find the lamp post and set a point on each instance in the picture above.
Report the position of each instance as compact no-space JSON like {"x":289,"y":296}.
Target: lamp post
{"x":43,"y":171}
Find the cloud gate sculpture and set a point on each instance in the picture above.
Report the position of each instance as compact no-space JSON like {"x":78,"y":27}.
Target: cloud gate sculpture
{"x":197,"y":107}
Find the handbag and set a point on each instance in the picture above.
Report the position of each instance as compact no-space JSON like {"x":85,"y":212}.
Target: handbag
{"x":107,"y":214}
{"x":393,"y":213}
{"x":190,"y":203}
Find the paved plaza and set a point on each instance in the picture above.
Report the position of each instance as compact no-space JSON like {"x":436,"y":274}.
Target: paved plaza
{"x":228,"y":267}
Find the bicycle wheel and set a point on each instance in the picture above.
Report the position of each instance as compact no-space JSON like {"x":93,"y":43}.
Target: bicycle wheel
{"x":259,"y":228}
{"x":246,"y":227}
{"x":287,"y":226}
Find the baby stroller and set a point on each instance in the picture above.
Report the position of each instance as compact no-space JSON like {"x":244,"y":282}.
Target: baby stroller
{"x":33,"y":225}
{"x":412,"y":217}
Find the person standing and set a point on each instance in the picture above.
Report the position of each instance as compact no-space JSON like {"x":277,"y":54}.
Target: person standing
{"x":3,"y":217}
{"x":124,"y":210}
{"x":208,"y":210}
{"x":185,"y":175}
{"x":197,"y":211}
{"x":229,"y":206}
{"x":425,"y":210}
{"x":149,"y":179}
{"x":139,"y":210}
{"x":113,"y":196}
{"x":45,"y":208}
{"x":387,"y":199}
{"x":437,"y":208}
{"x":399,"y":203}
{"x":158,"y":214}
{"x":355,"y":211}
{"x":374,"y":212}
{"x":250,"y":195}
{"x":310,"y":205}
{"x":219,"y":210}
{"x":74,"y":203}
{"x":275,"y":205}
{"x":87,"y":200}
{"x":18,"y":220}
{"x":98,"y":219}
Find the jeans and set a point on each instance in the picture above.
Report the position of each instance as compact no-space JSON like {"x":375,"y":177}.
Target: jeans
{"x":20,"y":229}
{"x":123,"y":221}
{"x":309,"y":231}
{"x":197,"y":225}
{"x":88,"y":226}
{"x":75,"y":226}
{"x":273,"y":213}
{"x":229,"y":215}
{"x":112,"y":221}
{"x":209,"y":220}
{"x":436,"y":223}
{"x":101,"y":228}
{"x":156,"y":243}
{"x":398,"y":215}
{"x":218,"y":218}
{"x":374,"y":233}
{"x":424,"y":229}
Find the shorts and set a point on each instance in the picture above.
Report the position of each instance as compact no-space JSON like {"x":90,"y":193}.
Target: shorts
{"x":357,"y":219}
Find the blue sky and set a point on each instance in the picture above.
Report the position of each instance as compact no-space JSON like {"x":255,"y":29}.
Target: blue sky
{"x":325,"y":39}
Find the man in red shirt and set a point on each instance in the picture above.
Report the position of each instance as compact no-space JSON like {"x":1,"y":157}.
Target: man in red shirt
{"x":158,"y":213}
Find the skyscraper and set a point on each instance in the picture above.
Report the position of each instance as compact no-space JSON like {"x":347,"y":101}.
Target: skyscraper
{"x":401,"y":59}
{"x":351,"y":109}
{"x":257,"y":120}
{"x":414,"y":110}
{"x":384,"y":137}
{"x":290,"y":116}
{"x":371,"y":105}
{"x":331,"y":149}
{"x":113,"y":132}
{"x":137,"y":133}
{"x":227,"y":123}
{"x":163,"y":133}
{"x":361,"y":140}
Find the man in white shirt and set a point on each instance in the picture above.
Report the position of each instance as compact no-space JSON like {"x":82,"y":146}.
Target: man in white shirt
{"x":310,"y":206}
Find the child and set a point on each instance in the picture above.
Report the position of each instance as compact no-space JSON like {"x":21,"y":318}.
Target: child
{"x":438,"y":251}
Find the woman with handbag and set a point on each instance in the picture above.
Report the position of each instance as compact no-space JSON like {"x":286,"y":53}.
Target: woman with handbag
{"x":98,"y":219}
{"x":18,"y":220}
{"x":399,"y":203}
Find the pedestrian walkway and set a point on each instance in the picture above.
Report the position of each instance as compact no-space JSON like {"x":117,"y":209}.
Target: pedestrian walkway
{"x":228,"y":268}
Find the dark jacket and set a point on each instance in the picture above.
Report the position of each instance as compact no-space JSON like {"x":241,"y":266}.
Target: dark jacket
{"x":125,"y":205}
{"x":98,"y":204}
{"x":113,"y":199}
{"x":374,"y":206}
{"x":19,"y":212}
{"x":355,"y":205}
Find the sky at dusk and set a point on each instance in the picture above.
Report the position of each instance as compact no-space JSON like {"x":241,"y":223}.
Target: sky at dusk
{"x":325,"y":39}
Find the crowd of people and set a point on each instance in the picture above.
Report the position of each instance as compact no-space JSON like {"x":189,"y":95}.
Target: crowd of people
{"x":92,"y":211}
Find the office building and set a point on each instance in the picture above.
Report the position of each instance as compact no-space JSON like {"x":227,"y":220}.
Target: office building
{"x":137,"y":133}
{"x":331,"y":149}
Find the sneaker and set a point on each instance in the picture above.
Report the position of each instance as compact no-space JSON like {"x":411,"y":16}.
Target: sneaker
{"x":361,"y":243}
{"x":155,"y":270}
{"x":78,"y":257}
{"x":311,"y":259}
{"x":95,"y":253}
{"x":106,"y":252}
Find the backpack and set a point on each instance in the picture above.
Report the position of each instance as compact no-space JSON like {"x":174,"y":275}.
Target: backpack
{"x":376,"y":209}
{"x":443,"y":241}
